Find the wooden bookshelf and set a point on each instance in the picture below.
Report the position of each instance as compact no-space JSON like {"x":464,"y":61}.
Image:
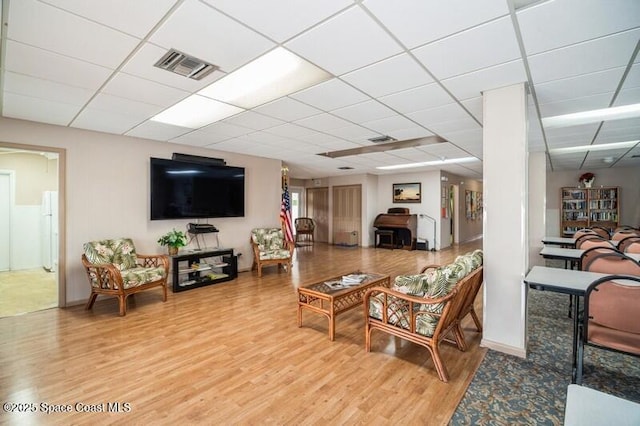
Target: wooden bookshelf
{"x":586,"y":207}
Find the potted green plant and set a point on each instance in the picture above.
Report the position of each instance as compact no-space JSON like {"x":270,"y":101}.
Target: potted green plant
{"x":173,"y":240}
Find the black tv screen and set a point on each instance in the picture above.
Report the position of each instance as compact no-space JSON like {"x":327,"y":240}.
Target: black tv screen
{"x":185,"y":190}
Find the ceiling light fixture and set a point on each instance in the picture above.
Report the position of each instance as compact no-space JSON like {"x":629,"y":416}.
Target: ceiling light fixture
{"x":594,"y":116}
{"x":596,"y":147}
{"x":195,"y":112}
{"x":430,"y":163}
{"x":271,"y":76}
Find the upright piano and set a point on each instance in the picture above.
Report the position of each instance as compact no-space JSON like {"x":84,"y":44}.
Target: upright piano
{"x":403,"y":224}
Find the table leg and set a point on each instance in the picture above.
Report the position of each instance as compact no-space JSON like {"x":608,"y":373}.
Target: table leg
{"x":299,"y":315}
{"x":574,"y":349}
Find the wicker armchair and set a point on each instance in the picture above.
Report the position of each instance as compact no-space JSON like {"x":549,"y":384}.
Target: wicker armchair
{"x":115,"y":269}
{"x":270,"y":248}
{"x":304,"y":226}
{"x":426,"y":309}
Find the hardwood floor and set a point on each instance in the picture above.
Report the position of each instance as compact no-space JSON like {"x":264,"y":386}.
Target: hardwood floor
{"x":232,"y":353}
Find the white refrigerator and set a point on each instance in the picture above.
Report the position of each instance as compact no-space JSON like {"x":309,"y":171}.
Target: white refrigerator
{"x":50,"y":230}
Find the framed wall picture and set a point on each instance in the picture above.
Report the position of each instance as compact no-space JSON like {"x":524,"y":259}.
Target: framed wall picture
{"x":407,"y":193}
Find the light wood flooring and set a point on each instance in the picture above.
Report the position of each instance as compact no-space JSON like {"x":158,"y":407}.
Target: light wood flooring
{"x":27,"y":291}
{"x":232,"y":353}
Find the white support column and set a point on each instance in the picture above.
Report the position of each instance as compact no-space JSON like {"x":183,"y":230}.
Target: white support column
{"x":537,"y":188}
{"x":505,"y":243}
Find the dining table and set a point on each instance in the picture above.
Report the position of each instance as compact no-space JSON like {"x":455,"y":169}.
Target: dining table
{"x":568,"y":242}
{"x":572,"y":254}
{"x":565,"y":281}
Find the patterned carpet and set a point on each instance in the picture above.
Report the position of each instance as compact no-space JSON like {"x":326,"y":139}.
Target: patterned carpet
{"x":508,"y":390}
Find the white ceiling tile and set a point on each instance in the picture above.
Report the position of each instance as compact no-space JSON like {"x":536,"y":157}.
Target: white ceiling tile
{"x":29,"y":60}
{"x":392,"y":75}
{"x":141,"y":65}
{"x":579,"y":86}
{"x":139,"y":89}
{"x":489,"y":44}
{"x":199,"y":138}
{"x":633,"y":78}
{"x":289,"y":130}
{"x":225,"y":128}
{"x":273,"y":18}
{"x":572,"y":21}
{"x":345,"y":42}
{"x":330,"y":95}
{"x":419,"y":98}
{"x":45,"y":89}
{"x":473,"y":84}
{"x":253,"y":120}
{"x":474,"y":148}
{"x":628,"y":97}
{"x":389,"y":124}
{"x":157,"y":131}
{"x":354,"y":133}
{"x":101,"y":120}
{"x":462,"y":138}
{"x":206,"y":28}
{"x":474,"y":105}
{"x":50,"y":28}
{"x":140,"y":17}
{"x":409,"y":133}
{"x":576,"y":105}
{"x":619,"y":131}
{"x":323,"y":122}
{"x":443,"y":150}
{"x":35,"y":109}
{"x":587,"y":57}
{"x":466,"y":123}
{"x":328,"y":142}
{"x":287,"y":109}
{"x":138,"y":110}
{"x":417,"y":22}
{"x":413,"y":154}
{"x":365,"y":111}
{"x":442,"y":114}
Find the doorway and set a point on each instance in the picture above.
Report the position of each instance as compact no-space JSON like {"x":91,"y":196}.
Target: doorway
{"x":31,"y":229}
{"x":347,"y":215}
{"x":318,"y":210}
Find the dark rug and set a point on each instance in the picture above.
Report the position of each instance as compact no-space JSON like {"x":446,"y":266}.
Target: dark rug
{"x":508,"y":390}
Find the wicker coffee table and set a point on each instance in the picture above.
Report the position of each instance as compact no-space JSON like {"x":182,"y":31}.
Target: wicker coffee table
{"x":330,"y":298}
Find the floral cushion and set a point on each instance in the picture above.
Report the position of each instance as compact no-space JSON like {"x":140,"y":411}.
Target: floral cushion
{"x":137,"y":276}
{"x":120,"y":252}
{"x":275,"y":254}
{"x":268,"y":239}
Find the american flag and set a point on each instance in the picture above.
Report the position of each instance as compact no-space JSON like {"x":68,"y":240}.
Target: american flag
{"x":285,"y":215}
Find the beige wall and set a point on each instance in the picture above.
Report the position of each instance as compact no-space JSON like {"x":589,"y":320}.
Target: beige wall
{"x":627,"y":178}
{"x":34,"y":174}
{"x":107,"y":192}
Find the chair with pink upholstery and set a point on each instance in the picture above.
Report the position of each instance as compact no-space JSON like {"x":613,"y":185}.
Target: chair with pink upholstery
{"x":629,"y":244}
{"x":585,"y":231}
{"x":611,"y":319}
{"x":620,"y":235}
{"x":588,"y":241}
{"x":608,"y":261}
{"x":602,"y":231}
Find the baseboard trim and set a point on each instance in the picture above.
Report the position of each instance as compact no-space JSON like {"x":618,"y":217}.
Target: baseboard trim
{"x":510,"y":350}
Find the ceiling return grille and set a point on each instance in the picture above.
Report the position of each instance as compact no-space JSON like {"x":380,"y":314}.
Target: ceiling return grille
{"x":185,"y":65}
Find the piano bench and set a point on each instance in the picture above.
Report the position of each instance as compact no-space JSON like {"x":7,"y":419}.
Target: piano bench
{"x":388,"y":234}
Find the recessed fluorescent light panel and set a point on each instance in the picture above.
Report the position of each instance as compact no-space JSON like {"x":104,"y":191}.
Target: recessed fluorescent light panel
{"x":430,"y":163}
{"x":597,"y":147}
{"x":195,"y":112}
{"x":597,"y":115}
{"x":271,"y":76}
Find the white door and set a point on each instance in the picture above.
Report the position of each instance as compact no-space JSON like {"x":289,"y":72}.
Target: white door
{"x":5,"y":221}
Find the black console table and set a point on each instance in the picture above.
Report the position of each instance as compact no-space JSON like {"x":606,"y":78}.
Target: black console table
{"x":198,"y":268}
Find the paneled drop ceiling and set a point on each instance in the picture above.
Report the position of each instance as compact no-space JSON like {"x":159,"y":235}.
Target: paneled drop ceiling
{"x":408,"y":69}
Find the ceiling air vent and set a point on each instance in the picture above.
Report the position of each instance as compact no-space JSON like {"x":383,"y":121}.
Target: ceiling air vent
{"x":381,"y":139}
{"x":345,"y":168}
{"x":185,"y":65}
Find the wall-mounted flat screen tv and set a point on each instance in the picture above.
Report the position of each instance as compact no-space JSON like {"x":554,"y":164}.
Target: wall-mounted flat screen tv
{"x":186,"y":190}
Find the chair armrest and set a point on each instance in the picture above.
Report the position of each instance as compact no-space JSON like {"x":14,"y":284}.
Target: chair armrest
{"x":399,"y":301}
{"x":154,"y":261}
{"x":426,"y":268}
{"x":105,"y":275}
